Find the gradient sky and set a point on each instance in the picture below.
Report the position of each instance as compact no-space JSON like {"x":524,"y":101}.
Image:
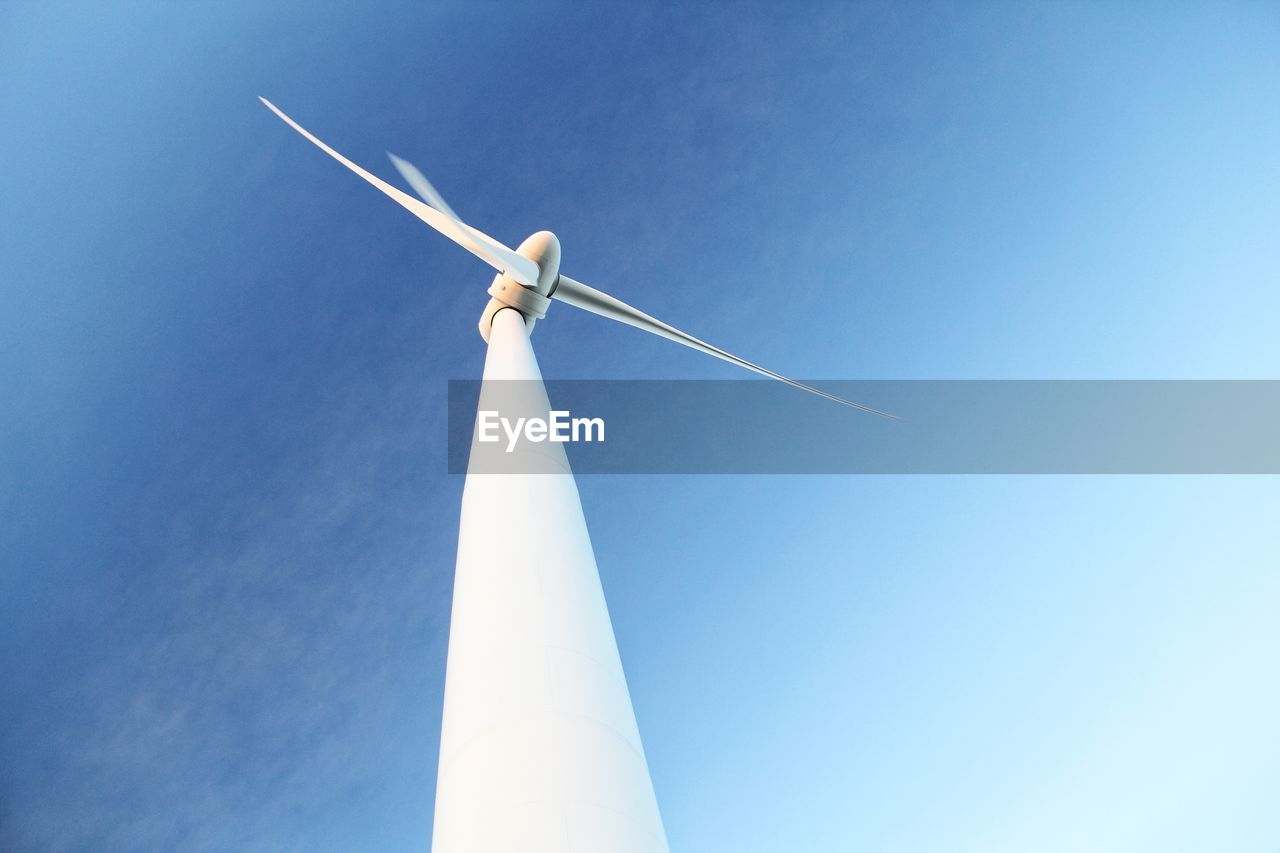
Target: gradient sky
{"x":226,"y":535}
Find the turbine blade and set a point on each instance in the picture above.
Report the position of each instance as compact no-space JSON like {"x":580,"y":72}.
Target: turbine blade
{"x":481,"y":245}
{"x":589,"y":299}
{"x":414,"y":178}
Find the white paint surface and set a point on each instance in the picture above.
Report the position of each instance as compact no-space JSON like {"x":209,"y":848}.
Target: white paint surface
{"x":539,"y":749}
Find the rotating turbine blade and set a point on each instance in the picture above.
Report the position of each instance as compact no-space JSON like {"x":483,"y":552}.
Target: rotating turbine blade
{"x":479,"y":244}
{"x":589,"y":299}
{"x":414,"y":178}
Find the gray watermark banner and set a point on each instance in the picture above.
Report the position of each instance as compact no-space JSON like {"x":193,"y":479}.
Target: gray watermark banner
{"x":944,"y":427}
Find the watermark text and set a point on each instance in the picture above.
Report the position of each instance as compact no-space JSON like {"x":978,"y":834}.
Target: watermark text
{"x":559,"y":427}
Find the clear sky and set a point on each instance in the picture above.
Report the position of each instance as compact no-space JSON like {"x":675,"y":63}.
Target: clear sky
{"x":226,"y":534}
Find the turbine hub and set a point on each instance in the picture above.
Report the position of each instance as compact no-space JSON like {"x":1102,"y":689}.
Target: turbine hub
{"x":543,"y":248}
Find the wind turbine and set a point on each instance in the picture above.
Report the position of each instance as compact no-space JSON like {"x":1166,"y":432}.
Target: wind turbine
{"x":539,"y":748}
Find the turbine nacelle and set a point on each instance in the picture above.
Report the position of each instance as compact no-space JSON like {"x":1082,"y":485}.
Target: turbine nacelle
{"x":543,"y":248}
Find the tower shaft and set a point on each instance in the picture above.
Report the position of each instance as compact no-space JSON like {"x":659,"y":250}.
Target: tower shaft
{"x":539,"y":749}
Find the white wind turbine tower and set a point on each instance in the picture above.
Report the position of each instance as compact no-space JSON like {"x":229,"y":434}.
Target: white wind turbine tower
{"x":539,"y":749}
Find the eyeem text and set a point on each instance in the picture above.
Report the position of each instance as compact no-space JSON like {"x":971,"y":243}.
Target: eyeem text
{"x":558,"y":426}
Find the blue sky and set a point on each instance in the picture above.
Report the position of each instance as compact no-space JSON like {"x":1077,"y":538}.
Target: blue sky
{"x":226,"y":554}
